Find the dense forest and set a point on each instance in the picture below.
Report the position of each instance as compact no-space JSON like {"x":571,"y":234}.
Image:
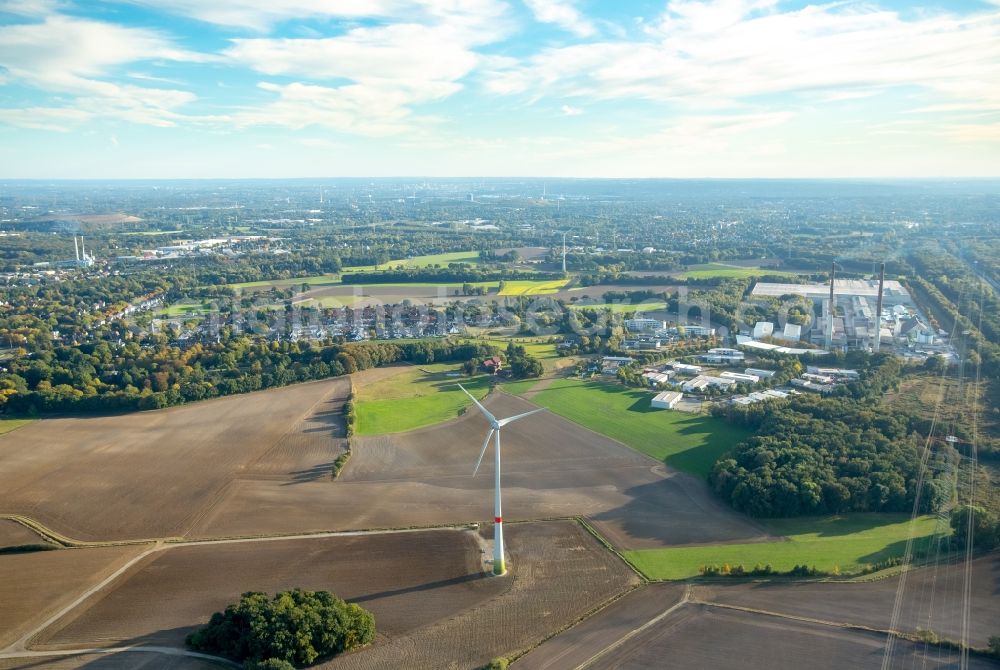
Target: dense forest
{"x":101,"y":378}
{"x":825,"y":456}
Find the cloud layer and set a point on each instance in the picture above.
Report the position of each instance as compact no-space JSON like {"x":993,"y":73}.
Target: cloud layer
{"x":710,"y":76}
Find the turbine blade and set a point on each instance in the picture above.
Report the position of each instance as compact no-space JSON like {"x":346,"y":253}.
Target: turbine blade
{"x":512,"y":419}
{"x":492,"y":419}
{"x":483,"y":452}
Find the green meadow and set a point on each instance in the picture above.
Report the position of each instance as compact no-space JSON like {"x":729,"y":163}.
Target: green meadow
{"x":421,"y":396}
{"x":688,"y":442}
{"x":846,"y":543}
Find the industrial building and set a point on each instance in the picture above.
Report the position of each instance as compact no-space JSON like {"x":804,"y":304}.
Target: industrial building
{"x":640,"y":325}
{"x":666,"y":400}
{"x":750,"y":343}
{"x":894,"y":294}
{"x":835,"y":373}
{"x":760,"y":396}
{"x":653,"y":377}
{"x":699,"y":331}
{"x":684,"y":368}
{"x":760,"y":373}
{"x":82,"y":260}
{"x":739,"y":377}
{"x":702,"y":382}
{"x":854,"y":312}
{"x":723,"y":355}
{"x":791,"y":331}
{"x":610,"y":364}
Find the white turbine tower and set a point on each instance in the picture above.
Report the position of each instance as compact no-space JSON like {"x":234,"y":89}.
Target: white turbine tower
{"x":495,"y":426}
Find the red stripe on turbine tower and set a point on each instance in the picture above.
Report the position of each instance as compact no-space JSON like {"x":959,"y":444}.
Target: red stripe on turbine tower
{"x":498,"y":519}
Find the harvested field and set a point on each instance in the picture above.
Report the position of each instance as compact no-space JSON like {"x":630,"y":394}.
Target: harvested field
{"x":441,"y":575}
{"x":127,"y":660}
{"x":575,"y":646}
{"x":552,"y":467}
{"x":436,"y":609}
{"x":700,"y":636}
{"x":13,"y":534}
{"x":560,"y":573}
{"x":152,"y":474}
{"x":35,"y":586}
{"x":932,"y":600}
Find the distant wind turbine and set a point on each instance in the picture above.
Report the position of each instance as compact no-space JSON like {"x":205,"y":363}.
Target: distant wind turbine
{"x":495,"y":426}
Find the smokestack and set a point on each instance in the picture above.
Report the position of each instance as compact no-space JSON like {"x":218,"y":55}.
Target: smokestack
{"x":76,"y":248}
{"x":83,"y":248}
{"x":829,"y":318}
{"x":564,"y":253}
{"x":878,"y":309}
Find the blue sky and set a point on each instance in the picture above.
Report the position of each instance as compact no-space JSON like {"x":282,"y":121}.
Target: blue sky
{"x":680,"y":88}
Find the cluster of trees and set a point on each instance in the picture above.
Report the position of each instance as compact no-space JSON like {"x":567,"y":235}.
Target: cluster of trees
{"x":727,"y":570}
{"x":102,"y":377}
{"x":521,"y":364}
{"x":814,"y":455}
{"x":983,"y":524}
{"x":294,"y":628}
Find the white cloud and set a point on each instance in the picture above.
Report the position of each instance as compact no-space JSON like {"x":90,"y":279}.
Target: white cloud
{"x":369,"y":79}
{"x":352,"y":109}
{"x":59,"y":119}
{"x":261,"y":15}
{"x":712,"y":54}
{"x":29,"y":7}
{"x":569,"y":110}
{"x":65,"y":55}
{"x":563,"y":14}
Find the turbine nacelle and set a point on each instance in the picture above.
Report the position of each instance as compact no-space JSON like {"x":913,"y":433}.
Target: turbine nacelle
{"x":495,"y":424}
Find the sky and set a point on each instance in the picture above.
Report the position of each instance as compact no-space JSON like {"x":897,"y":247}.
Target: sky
{"x":572,"y":88}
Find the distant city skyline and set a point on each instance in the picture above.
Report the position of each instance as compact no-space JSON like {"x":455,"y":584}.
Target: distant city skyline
{"x":546,"y":88}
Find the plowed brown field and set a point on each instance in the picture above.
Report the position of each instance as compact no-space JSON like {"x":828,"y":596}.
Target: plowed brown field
{"x":152,"y":474}
{"x":551,"y":468}
{"x":433,"y":604}
{"x":36,"y":585}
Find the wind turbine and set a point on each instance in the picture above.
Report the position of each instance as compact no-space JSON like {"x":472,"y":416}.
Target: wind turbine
{"x":495,"y":426}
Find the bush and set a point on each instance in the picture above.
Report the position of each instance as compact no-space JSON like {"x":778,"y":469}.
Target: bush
{"x":727,"y":570}
{"x":499,"y":663}
{"x":269,"y":664}
{"x":338,"y":465}
{"x":295,"y":627}
{"x":985,"y":527}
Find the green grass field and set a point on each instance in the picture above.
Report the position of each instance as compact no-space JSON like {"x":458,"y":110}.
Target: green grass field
{"x":415,"y":398}
{"x":7,"y":425}
{"x":688,"y":442}
{"x":624,"y":307}
{"x":184,"y":309}
{"x":846,"y":543}
{"x":709,"y":270}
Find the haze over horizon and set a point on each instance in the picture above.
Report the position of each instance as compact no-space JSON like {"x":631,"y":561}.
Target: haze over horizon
{"x":175,"y":89}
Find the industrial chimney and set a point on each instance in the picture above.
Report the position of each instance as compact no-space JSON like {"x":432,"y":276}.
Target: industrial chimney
{"x":878,"y":309}
{"x":829,"y":316}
